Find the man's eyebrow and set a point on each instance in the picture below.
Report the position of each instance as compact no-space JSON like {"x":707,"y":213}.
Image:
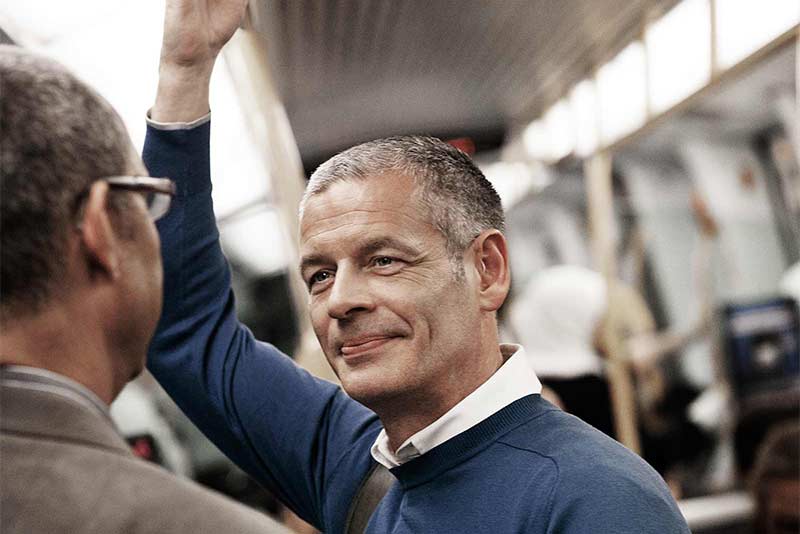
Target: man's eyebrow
{"x":375,"y":245}
{"x":312,"y":260}
{"x":370,"y":247}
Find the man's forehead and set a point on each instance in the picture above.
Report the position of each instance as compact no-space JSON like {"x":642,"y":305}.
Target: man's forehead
{"x":384,"y":197}
{"x":376,"y":186}
{"x":346,"y":227}
{"x":359,"y":215}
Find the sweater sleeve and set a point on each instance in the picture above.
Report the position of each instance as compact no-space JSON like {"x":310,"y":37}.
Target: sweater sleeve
{"x":286,"y":428}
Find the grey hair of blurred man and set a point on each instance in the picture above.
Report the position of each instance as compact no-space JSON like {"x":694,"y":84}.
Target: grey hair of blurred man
{"x":57,"y":136}
{"x":459,"y":200}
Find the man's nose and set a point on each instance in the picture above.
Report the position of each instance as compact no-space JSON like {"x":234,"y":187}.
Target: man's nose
{"x":349,"y":295}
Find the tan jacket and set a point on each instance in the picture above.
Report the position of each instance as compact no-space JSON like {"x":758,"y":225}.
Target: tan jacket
{"x":64,"y":469}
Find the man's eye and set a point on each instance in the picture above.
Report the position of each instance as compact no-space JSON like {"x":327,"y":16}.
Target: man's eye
{"x":382,"y":261}
{"x":318,"y":277}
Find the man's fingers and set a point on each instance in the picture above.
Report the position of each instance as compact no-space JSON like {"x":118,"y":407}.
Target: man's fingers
{"x":194,"y":33}
{"x":196,"y":30}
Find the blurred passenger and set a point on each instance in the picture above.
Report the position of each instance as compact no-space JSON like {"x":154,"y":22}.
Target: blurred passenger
{"x":406,"y":266}
{"x":81,"y":295}
{"x":775,"y":481}
{"x":557,"y":319}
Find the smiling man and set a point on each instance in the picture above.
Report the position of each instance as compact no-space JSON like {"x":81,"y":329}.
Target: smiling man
{"x":406,"y":265}
{"x":408,"y":329}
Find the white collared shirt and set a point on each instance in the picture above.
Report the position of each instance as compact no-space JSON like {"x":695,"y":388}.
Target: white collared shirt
{"x":515,"y":379}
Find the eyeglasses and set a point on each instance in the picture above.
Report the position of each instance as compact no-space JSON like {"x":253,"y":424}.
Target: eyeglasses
{"x":158,"y":192}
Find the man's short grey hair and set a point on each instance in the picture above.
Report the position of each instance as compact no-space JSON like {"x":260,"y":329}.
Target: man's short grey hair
{"x":460,"y":201}
{"x":57,"y":136}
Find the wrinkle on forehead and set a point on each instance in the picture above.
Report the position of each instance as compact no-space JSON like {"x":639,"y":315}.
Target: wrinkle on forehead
{"x":314,"y":227}
{"x":348,"y":203}
{"x":350,"y":233}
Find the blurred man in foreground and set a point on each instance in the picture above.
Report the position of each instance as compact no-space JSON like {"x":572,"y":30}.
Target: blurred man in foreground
{"x":403,"y":254}
{"x":81,"y":295}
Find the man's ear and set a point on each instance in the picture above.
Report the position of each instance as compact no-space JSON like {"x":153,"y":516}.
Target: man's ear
{"x":491,"y":263}
{"x":99,"y":240}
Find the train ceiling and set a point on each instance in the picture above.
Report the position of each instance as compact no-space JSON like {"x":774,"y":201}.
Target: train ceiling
{"x":353,"y":70}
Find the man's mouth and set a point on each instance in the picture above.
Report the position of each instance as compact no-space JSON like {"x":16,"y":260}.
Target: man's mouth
{"x":359,"y":346}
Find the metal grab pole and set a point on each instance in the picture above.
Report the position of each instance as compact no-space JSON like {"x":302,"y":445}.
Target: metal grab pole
{"x":597,"y":171}
{"x":246,"y":58}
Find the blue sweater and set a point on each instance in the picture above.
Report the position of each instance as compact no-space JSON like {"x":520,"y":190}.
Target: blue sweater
{"x":528,"y":468}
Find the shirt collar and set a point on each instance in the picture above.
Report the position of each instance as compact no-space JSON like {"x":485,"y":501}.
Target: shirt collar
{"x":515,"y":379}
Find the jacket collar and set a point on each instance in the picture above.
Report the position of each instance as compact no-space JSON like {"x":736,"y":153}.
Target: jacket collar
{"x":42,"y":404}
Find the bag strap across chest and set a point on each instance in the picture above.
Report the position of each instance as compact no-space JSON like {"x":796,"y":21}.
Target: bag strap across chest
{"x":372,"y":490}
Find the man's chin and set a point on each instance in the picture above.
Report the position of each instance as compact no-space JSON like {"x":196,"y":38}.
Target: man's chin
{"x":368,"y":390}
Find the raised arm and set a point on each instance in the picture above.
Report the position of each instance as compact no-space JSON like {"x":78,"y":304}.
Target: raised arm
{"x":194,"y":33}
{"x":291,"y":431}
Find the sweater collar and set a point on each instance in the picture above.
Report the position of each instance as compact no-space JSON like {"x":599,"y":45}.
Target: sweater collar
{"x":513,"y":380}
{"x":467,"y":444}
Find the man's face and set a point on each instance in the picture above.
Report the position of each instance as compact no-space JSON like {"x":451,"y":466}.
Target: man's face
{"x":388,"y":311}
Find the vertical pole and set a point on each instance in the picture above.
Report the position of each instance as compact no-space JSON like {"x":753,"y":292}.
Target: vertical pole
{"x":648,"y":92}
{"x":246,"y":58}
{"x":797,"y":93}
{"x":712,"y":6}
{"x":597,"y":171}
